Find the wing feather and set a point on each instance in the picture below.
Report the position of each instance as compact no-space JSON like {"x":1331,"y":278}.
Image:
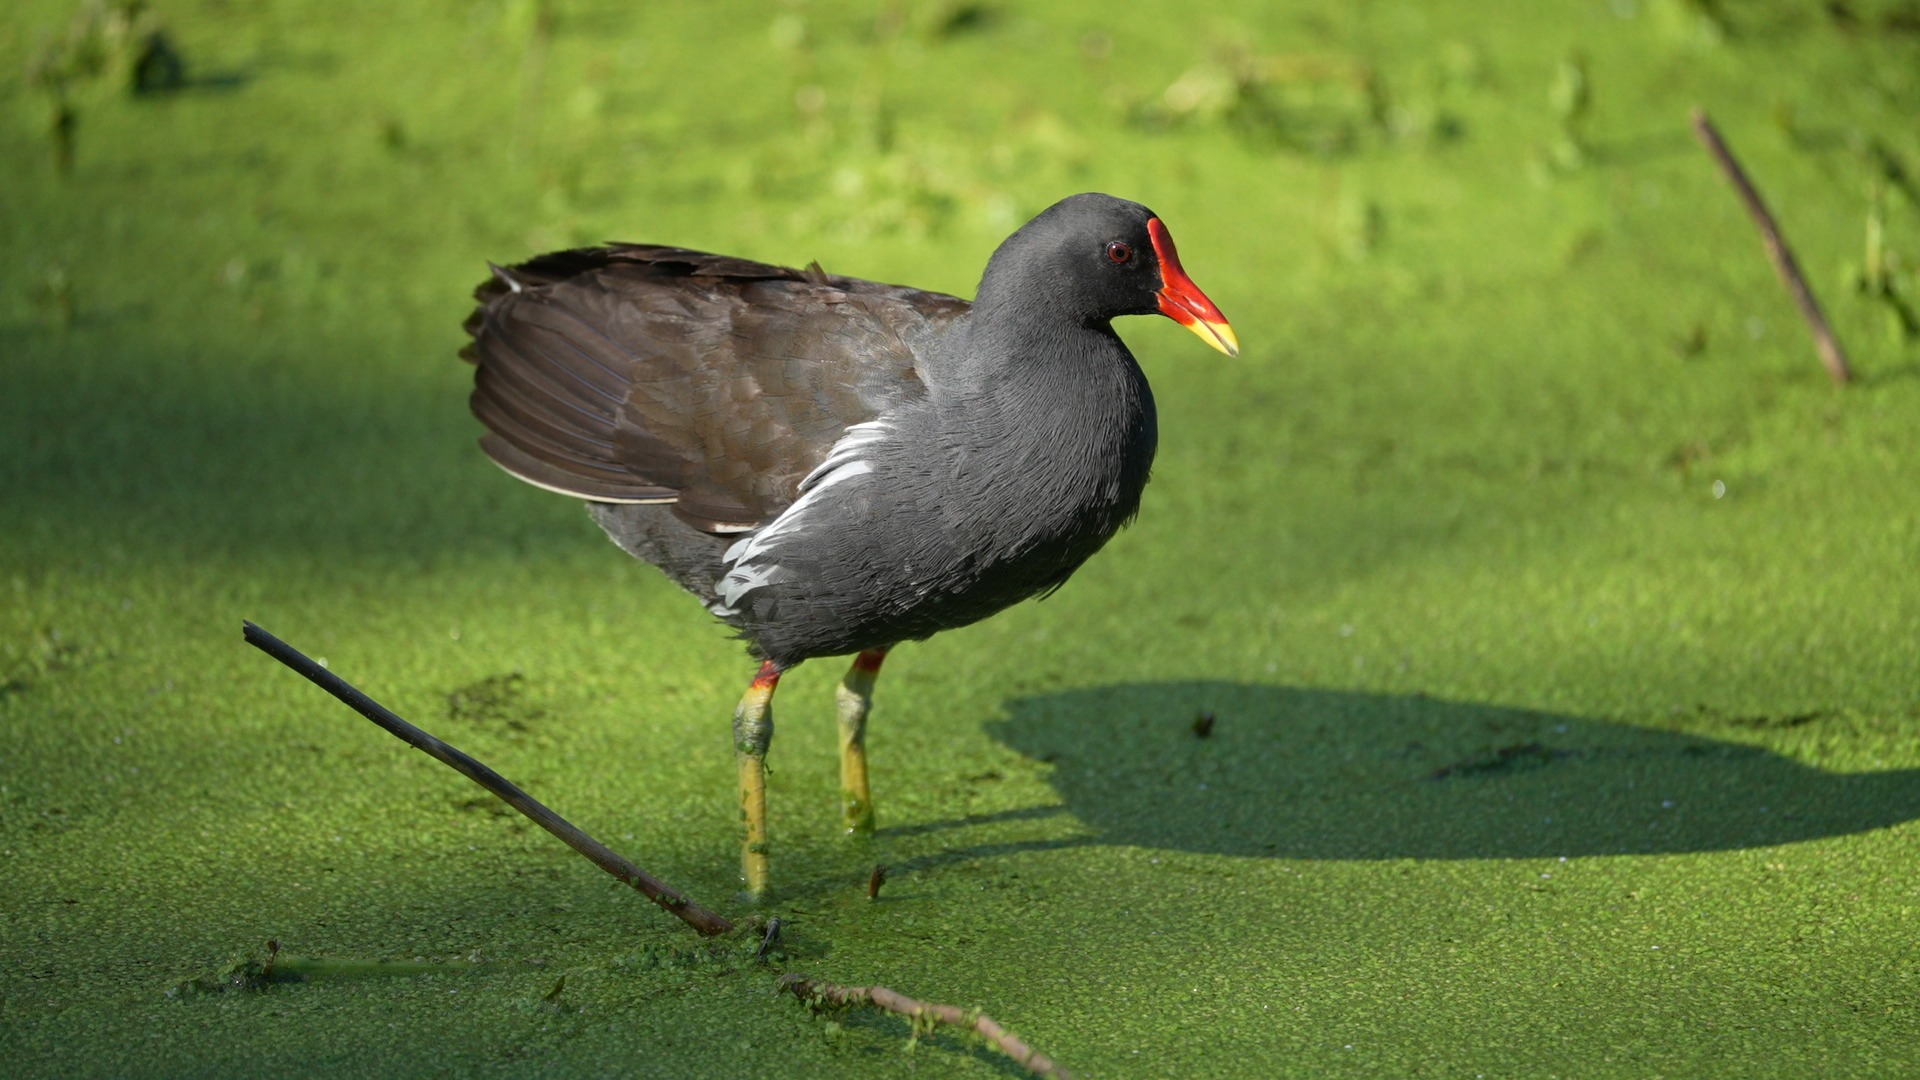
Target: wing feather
{"x":638,"y":373}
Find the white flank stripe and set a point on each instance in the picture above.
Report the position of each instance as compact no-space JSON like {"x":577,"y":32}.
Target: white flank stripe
{"x":843,"y":463}
{"x":753,"y":547}
{"x":853,"y":468}
{"x":737,"y":549}
{"x":857,"y":437}
{"x":741,"y":580}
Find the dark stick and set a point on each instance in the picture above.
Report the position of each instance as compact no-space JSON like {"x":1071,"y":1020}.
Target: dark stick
{"x":1777,"y":249}
{"x":921,"y":1012}
{"x":602,"y":856}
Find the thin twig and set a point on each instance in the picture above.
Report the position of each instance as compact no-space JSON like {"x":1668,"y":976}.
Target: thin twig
{"x":1777,"y":249}
{"x":820,"y":991}
{"x":599,"y":854}
{"x":768,"y":939}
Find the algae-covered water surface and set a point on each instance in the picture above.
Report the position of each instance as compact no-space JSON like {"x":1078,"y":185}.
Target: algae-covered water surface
{"x":1512,"y":670}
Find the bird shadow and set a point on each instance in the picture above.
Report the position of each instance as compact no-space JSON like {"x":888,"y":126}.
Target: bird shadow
{"x":1236,"y":769}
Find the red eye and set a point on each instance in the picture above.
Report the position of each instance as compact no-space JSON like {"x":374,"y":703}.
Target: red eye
{"x":1119,"y":252}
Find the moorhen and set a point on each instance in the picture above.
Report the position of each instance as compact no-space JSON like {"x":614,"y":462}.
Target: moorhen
{"x":835,"y":465}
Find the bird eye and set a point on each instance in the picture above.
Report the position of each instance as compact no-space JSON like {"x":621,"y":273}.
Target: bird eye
{"x":1119,"y":251}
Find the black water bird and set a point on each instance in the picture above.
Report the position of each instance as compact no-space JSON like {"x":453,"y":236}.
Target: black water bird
{"x":832,"y":465}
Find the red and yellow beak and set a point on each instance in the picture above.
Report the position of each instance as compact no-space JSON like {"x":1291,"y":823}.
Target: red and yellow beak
{"x":1182,"y":301}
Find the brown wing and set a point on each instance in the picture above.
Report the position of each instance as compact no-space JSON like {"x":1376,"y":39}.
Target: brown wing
{"x":635,"y":373}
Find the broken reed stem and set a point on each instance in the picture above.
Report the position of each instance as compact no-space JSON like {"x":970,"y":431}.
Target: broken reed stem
{"x":813,"y":990}
{"x":1777,"y":249}
{"x":599,"y":854}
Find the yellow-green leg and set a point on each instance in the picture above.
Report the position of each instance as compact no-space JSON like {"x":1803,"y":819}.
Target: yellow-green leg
{"x":752,"y":734}
{"x":856,"y":698}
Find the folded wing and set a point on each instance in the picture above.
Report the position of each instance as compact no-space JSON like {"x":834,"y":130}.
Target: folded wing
{"x":645,"y":374}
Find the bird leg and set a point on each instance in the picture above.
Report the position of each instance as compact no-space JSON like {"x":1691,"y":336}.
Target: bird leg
{"x":855,"y":696}
{"x":752,"y":734}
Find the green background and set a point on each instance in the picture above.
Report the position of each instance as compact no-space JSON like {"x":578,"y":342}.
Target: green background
{"x":1557,"y":615}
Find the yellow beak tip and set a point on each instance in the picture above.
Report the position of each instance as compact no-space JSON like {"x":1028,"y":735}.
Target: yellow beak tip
{"x":1220,"y":335}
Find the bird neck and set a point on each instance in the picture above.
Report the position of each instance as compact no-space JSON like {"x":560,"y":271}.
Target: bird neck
{"x":1025,"y":326}
{"x":1030,"y":375}
{"x":1021,"y":389}
{"x":1027,"y":359}
{"x":1020,"y":287}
